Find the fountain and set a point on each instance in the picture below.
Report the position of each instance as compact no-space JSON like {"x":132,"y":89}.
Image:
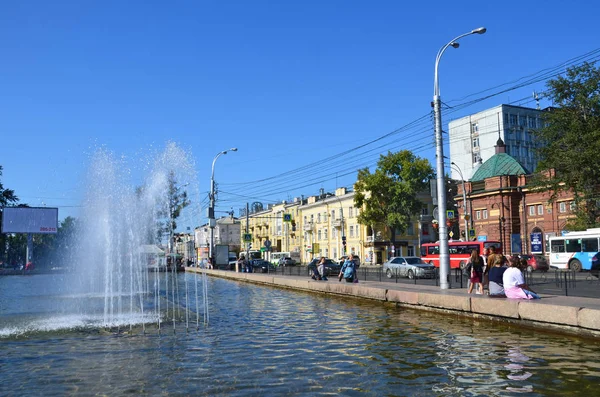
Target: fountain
{"x":110,"y":284}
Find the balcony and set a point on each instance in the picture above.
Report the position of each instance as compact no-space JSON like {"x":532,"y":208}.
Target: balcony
{"x":370,"y":239}
{"x":307,"y":226}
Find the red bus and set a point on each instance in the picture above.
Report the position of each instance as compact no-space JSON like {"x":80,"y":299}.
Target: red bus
{"x":459,"y":251}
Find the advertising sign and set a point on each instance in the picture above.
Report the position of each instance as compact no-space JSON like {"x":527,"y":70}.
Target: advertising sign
{"x":515,"y":243}
{"x":536,"y":243}
{"x":35,"y":220}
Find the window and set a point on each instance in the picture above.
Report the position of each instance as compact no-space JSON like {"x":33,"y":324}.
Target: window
{"x":351,"y":231}
{"x":410,"y":251}
{"x":332,"y":215}
{"x":572,"y":206}
{"x":335,"y":255}
{"x":319,"y":217}
{"x":475,"y":142}
{"x":326,"y":252}
{"x":478,"y":214}
{"x":425,"y":210}
{"x":350,"y":210}
{"x":523,"y":121}
{"x":325,"y":234}
{"x":573,"y":245}
{"x":589,"y":244}
{"x":410,"y":230}
{"x":433,"y":250}
{"x":319,"y":235}
{"x":540,"y":209}
{"x":505,"y":118}
{"x":557,"y":246}
{"x":532,"y":122}
{"x":334,"y":233}
{"x":485,"y":214}
{"x":474,"y":128}
{"x":532,"y":210}
{"x":512,"y":119}
{"x":305,"y":219}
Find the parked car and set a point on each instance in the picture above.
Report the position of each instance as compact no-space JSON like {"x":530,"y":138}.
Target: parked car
{"x":287,"y":261}
{"x":262,"y":266}
{"x":536,"y":262}
{"x":355,"y":258}
{"x":408,"y":266}
{"x":331,"y":267}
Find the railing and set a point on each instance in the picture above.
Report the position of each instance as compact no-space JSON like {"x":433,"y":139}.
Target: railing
{"x":551,"y":283}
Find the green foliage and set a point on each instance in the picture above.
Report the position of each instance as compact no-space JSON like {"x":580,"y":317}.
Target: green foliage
{"x":388,"y":196}
{"x":7,"y":197}
{"x":571,"y":141}
{"x":177,"y":200}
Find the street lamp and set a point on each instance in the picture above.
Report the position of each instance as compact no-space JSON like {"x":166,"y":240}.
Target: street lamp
{"x":465,"y":207}
{"x":211,"y":209}
{"x":439,"y":152}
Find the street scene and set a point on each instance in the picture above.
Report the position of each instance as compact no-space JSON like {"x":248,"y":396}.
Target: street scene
{"x":298,"y":198}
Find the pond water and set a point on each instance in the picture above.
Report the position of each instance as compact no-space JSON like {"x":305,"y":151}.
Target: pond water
{"x":266,"y":341}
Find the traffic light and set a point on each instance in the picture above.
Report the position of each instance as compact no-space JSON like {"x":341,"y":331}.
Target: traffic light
{"x":293,"y":225}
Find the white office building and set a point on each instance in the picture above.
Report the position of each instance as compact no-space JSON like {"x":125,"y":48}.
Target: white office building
{"x":472,"y":138}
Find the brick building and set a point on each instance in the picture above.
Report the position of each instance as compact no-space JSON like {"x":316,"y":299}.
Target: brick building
{"x":503,"y":206}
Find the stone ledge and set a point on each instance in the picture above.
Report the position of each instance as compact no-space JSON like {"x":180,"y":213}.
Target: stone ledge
{"x":452,"y":302}
{"x":548,"y":313}
{"x":589,"y":318}
{"x":408,"y":297}
{"x":495,"y":307}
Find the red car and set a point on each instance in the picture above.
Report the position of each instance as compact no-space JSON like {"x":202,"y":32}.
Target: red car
{"x":536,"y":262}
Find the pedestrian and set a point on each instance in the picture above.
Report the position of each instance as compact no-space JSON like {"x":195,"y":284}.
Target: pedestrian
{"x":348,"y":271}
{"x":321,"y":269}
{"x":241,"y":264}
{"x":475,"y":265}
{"x":514,"y":283}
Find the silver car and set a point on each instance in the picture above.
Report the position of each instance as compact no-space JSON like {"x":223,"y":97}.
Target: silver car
{"x":408,"y":266}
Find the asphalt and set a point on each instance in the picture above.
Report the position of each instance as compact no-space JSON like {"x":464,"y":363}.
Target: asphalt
{"x":558,"y":313}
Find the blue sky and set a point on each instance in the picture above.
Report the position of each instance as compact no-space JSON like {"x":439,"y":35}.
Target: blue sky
{"x":292,"y":84}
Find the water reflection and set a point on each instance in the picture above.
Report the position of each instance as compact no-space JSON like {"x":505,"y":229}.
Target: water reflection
{"x":280,"y":342}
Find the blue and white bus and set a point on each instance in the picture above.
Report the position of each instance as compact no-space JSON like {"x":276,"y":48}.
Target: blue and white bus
{"x":576,"y":250}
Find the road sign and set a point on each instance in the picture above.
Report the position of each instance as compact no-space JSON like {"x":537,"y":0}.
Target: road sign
{"x":343,"y":238}
{"x":467,"y":217}
{"x":247,"y":237}
{"x":287,"y":217}
{"x":267,"y":243}
{"x":451,"y":234}
{"x":449,"y":214}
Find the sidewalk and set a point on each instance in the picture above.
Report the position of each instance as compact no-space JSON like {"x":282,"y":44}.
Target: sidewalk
{"x":558,"y":313}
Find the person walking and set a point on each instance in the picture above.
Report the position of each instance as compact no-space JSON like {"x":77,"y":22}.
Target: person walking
{"x":348,"y":271}
{"x":475,"y":265}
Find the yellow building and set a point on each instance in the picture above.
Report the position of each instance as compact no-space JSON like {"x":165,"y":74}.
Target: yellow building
{"x":327,"y":225}
{"x":276,"y":225}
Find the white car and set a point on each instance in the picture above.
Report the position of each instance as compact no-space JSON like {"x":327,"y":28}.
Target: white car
{"x":408,"y":266}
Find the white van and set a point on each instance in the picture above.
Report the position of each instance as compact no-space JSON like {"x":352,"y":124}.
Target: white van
{"x":276,"y":256}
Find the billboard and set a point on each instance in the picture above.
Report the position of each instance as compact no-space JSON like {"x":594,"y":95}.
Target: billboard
{"x":40,"y":220}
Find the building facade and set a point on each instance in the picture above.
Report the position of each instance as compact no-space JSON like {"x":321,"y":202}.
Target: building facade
{"x":504,"y":206}
{"x":227,"y":232}
{"x":472,"y":138}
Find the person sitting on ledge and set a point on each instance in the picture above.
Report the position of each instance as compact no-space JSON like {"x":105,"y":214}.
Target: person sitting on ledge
{"x":514,"y":284}
{"x":496,"y":271}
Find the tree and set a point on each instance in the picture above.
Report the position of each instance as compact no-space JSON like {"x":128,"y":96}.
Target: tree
{"x":177,"y":200}
{"x":388,"y":196}
{"x":7,"y":197}
{"x":570,"y":142}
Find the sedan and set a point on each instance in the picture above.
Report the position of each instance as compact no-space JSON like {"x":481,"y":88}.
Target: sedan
{"x":408,"y":266}
{"x":331,"y":267}
{"x":262,"y":266}
{"x":536,"y":262}
{"x":287,"y":261}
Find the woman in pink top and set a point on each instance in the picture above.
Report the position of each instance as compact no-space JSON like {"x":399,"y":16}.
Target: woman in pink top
{"x":514,"y":284}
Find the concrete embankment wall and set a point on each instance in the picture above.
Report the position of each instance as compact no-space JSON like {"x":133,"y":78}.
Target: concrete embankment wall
{"x":562,"y":314}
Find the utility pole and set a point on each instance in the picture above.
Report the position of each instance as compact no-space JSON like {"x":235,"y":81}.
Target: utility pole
{"x":248,"y":230}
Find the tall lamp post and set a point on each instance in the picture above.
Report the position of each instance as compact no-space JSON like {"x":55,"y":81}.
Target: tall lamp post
{"x":439,"y":152}
{"x":465,"y":207}
{"x":211,"y":209}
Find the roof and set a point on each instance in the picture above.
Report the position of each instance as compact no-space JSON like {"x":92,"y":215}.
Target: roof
{"x":498,"y":164}
{"x":151,"y":249}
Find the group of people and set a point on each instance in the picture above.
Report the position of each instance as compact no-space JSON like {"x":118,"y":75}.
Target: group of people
{"x":347,"y":272}
{"x":503,"y":277}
